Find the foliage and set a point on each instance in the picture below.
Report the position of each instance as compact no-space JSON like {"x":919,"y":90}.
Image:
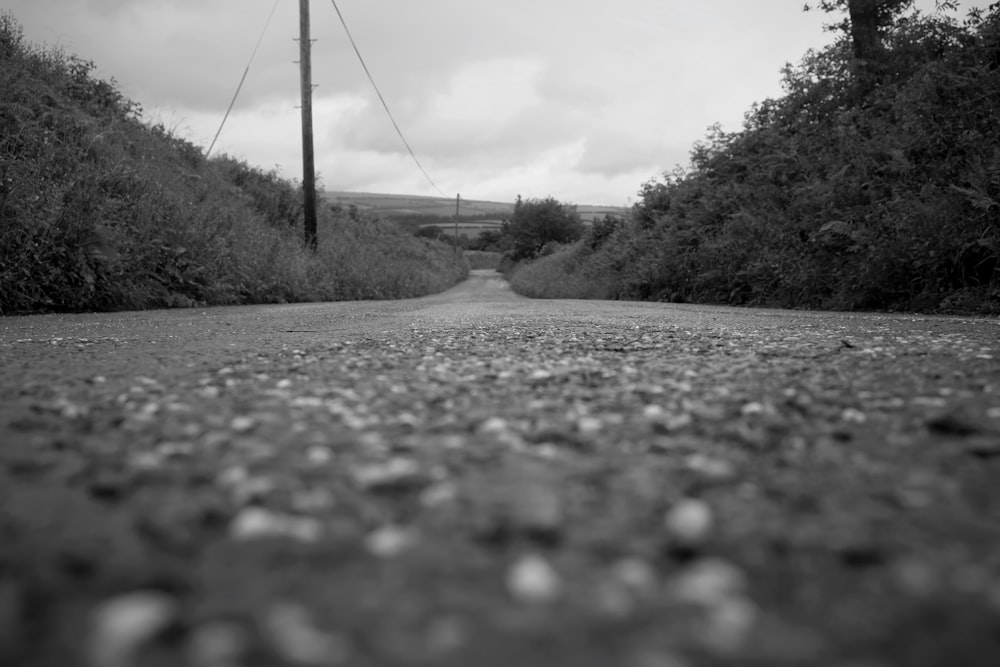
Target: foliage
{"x":489,"y":240}
{"x":479,"y":259}
{"x":100,"y":210}
{"x":824,"y":199}
{"x":539,"y":222}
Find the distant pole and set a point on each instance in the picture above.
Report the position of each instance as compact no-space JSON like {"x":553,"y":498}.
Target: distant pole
{"x":458,"y":199}
{"x":308,"y":160}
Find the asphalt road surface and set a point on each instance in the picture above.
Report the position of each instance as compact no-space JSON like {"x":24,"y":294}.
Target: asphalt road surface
{"x":475,"y":478}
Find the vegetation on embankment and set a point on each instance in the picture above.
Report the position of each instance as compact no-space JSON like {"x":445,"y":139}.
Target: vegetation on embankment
{"x":879,"y":192}
{"x":102,"y":211}
{"x":480,"y":259}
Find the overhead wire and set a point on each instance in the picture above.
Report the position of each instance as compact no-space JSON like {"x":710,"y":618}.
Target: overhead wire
{"x":243,"y":78}
{"x":385,"y":105}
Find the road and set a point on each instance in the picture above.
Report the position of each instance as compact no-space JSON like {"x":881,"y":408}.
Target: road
{"x":475,"y":478}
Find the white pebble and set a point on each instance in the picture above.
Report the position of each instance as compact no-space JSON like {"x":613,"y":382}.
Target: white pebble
{"x":397,"y":470}
{"x":708,"y":582}
{"x":589,"y":425}
{"x":710,"y":468}
{"x":689,"y":521}
{"x":319,"y":455}
{"x":257,"y":523}
{"x":853,"y":415}
{"x":533,"y":580}
{"x":652,"y":411}
{"x":494,"y":425}
{"x":242,"y":424}
{"x":438,"y":494}
{"x":389,"y":541}
{"x":122,"y":625}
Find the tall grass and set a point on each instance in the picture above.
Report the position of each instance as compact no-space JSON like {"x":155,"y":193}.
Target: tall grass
{"x":100,"y":210}
{"x":560,"y":275}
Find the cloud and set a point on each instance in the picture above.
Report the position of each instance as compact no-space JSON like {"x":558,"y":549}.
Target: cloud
{"x":583,"y":101}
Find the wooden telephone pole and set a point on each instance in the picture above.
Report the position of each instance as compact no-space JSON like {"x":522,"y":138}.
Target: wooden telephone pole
{"x":308,"y":160}
{"x":458,"y":200}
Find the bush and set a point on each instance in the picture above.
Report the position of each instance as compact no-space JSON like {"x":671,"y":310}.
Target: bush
{"x":538,"y":222}
{"x":832,"y":196}
{"x":101,"y":211}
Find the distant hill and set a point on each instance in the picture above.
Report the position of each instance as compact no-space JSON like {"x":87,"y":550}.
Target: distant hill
{"x":410,"y":205}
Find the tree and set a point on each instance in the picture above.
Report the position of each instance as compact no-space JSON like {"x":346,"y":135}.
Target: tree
{"x":866,"y":23}
{"x":538,"y":222}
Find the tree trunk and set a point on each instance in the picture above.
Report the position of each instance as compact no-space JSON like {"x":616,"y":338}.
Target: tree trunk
{"x":864,"y":15}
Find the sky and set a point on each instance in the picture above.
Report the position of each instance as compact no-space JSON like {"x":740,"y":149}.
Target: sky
{"x":580,"y":100}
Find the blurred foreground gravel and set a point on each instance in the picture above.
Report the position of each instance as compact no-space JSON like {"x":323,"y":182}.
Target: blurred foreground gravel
{"x":479,"y":479}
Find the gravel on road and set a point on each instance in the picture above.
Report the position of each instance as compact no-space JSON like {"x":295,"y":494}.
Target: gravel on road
{"x":475,"y":478}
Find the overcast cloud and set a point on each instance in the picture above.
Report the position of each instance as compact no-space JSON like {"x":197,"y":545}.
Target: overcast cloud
{"x":581,"y":100}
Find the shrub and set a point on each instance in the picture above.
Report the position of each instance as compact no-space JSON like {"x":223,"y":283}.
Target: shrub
{"x":834,"y":195}
{"x":538,"y":222}
{"x":100,"y":211}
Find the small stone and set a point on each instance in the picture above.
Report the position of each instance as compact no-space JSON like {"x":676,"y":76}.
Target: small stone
{"x":710,"y":468}
{"x":446,"y":635}
{"x":258,"y":523}
{"x":121,"y":626}
{"x":652,"y":411}
{"x":532,"y":580}
{"x":708,"y":581}
{"x":728,"y":623}
{"x":539,"y":375}
{"x":494,"y":425}
{"x":252,"y":489}
{"x":242,"y":424}
{"x":319,"y":455}
{"x":390,"y":541}
{"x":536,"y":509}
{"x":915,"y":577}
{"x":438,"y":494}
{"x":854,"y":416}
{"x":689,"y":521}
{"x":297,"y":639}
{"x":395,"y":473}
{"x":613,"y":599}
{"x":636,"y":574}
{"x":218,"y":644}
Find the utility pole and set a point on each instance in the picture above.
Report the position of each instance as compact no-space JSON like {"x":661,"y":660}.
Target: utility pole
{"x":458,"y":199}
{"x":308,"y":160}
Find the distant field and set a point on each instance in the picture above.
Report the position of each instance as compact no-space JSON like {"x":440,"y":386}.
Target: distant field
{"x":388,"y":205}
{"x":469,"y":229}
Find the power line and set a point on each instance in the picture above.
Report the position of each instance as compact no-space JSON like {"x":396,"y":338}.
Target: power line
{"x":382,"y":100}
{"x":243,"y":78}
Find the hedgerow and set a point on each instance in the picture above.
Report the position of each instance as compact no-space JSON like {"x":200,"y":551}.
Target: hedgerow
{"x":833,"y":196}
{"x":100,"y":210}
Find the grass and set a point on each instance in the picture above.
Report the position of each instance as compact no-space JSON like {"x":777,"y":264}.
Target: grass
{"x":559,"y":276}
{"x":100,"y":210}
